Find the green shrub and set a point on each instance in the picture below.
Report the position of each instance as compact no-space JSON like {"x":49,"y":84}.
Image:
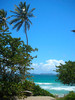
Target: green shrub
{"x":37,"y":91}
{"x":27,"y":85}
{"x":9,"y":89}
{"x":70,"y":96}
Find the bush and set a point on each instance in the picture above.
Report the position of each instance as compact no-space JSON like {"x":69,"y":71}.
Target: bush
{"x":37,"y":91}
{"x":70,"y":96}
{"x":66,"y":73}
{"x":9,"y":89}
{"x":27,"y":85}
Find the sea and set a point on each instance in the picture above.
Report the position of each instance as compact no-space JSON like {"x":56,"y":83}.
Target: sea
{"x":49,"y":82}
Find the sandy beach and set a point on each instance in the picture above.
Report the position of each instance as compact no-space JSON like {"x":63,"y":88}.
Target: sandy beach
{"x":39,"y":98}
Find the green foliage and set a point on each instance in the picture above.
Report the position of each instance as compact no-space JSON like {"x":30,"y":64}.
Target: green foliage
{"x":37,"y":91}
{"x":70,"y":96}
{"x":66,"y":73}
{"x":15,"y":61}
{"x":14,"y":57}
{"x":9,"y":89}
{"x":27,"y":85}
{"x":3,"y":20}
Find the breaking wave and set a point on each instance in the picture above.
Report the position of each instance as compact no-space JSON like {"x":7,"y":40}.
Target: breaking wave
{"x":66,"y":88}
{"x":43,"y":83}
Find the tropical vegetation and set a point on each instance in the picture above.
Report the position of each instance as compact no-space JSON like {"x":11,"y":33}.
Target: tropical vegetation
{"x":70,"y":96}
{"x":66,"y":73}
{"x":16,"y":57}
{"x":22,"y":16}
{"x":15,"y":61}
{"x":36,"y":90}
{"x":3,"y":18}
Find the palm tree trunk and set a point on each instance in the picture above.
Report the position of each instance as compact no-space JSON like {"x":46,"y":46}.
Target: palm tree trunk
{"x":26,"y":37}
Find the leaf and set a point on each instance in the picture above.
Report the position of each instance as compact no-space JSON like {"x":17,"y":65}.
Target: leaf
{"x":27,"y":7}
{"x":32,"y":10}
{"x":14,"y":20}
{"x":19,"y":26}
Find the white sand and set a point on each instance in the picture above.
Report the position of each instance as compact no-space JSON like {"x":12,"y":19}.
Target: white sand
{"x":39,"y":98}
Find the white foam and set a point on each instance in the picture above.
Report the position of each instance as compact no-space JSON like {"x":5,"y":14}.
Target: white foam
{"x":45,"y":87}
{"x":64,"y":88}
{"x":42,"y":83}
{"x":48,"y":86}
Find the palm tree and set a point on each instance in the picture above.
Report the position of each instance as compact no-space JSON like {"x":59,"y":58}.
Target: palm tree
{"x":3,"y":19}
{"x":22,"y":15}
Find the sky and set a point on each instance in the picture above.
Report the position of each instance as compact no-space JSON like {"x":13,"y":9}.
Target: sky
{"x":50,"y":32}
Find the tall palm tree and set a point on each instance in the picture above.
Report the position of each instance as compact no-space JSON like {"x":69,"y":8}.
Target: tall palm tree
{"x":3,"y":19}
{"x":22,"y":15}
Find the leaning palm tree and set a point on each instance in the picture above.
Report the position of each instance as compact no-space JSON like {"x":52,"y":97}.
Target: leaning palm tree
{"x":22,"y":15}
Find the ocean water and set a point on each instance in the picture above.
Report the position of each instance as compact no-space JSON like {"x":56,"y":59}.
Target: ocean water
{"x":49,"y":83}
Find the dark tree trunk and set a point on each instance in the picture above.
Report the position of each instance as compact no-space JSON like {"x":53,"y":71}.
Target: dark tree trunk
{"x":26,"y":37}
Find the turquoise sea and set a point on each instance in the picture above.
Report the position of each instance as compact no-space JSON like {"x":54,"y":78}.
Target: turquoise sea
{"x":49,"y":83}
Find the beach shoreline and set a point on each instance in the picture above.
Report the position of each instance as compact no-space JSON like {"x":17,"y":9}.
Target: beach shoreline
{"x":38,"y":98}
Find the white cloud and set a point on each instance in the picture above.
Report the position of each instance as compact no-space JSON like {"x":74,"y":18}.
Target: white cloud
{"x":46,"y":67}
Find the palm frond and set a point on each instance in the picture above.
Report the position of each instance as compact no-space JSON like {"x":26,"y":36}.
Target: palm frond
{"x":16,"y":25}
{"x":27,"y":7}
{"x":29,"y":21}
{"x":31,"y":15}
{"x":21,"y":5}
{"x":24,"y":5}
{"x":5,"y":24}
{"x":15,"y":16}
{"x":14,"y":12}
{"x":14,"y":20}
{"x":5,"y":13}
{"x":6,"y":29}
{"x":19,"y":26}
{"x":18,"y":10}
{"x":8,"y":17}
{"x":31,"y":10}
{"x":3,"y":19}
{"x":8,"y":22}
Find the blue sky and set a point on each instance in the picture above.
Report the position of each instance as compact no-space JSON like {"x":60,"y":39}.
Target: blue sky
{"x":50,"y":32}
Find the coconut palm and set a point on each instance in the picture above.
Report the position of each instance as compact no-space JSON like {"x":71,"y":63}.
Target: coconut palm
{"x":22,"y":15}
{"x":3,"y":19}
